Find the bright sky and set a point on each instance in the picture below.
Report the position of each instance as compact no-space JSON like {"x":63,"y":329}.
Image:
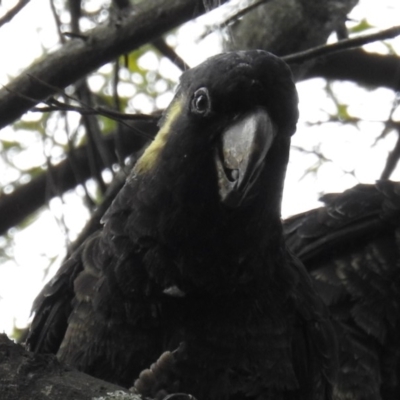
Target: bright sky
{"x":348,"y":146}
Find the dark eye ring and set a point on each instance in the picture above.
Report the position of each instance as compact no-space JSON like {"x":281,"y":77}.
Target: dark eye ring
{"x":201,"y":103}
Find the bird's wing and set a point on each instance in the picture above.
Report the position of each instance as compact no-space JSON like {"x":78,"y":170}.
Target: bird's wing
{"x":85,"y":316}
{"x":351,"y":248}
{"x":314,"y":345}
{"x":52,"y":308}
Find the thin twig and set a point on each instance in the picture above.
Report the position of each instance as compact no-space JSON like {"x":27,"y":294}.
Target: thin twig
{"x":74,"y":60}
{"x":75,"y":11}
{"x":394,"y":155}
{"x":13,"y":12}
{"x":57,"y":21}
{"x":99,"y":110}
{"x":93,"y":110}
{"x":342,"y":45}
{"x":98,"y":154}
{"x":117,"y":106}
{"x":71,"y":155}
{"x":120,"y":7}
{"x":392,"y":159}
{"x":232,"y":18}
{"x":170,"y":53}
{"x":58,"y":90}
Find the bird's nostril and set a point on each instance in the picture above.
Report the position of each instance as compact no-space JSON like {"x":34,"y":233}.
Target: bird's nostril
{"x":232,"y":174}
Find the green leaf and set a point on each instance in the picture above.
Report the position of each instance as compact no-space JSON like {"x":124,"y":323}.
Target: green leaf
{"x":133,"y":58}
{"x":33,"y":125}
{"x":10,"y":144}
{"x":108,"y":125}
{"x":342,"y":113}
{"x":362,"y":26}
{"x":35,"y":171}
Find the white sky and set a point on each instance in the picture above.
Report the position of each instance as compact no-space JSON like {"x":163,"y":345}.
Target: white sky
{"x":348,"y":146}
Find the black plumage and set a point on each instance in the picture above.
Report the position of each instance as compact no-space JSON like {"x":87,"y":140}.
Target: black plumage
{"x":351,"y":246}
{"x":192,"y":257}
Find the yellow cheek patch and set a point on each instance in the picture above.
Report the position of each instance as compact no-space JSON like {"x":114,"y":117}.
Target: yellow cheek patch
{"x":151,"y":154}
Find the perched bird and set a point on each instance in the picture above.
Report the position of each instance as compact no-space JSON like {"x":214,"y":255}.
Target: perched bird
{"x":351,"y":246}
{"x":191,"y":261}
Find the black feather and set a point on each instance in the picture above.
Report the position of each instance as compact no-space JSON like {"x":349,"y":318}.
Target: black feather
{"x":351,"y":247}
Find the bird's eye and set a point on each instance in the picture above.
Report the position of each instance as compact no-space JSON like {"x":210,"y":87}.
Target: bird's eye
{"x":201,"y":103}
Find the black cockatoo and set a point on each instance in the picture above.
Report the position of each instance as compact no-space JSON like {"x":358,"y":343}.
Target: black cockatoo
{"x":192,"y":256}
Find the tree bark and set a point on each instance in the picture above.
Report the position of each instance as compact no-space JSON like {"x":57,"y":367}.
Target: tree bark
{"x":28,"y":376}
{"x":290,"y":26}
{"x":14,"y":207}
{"x":359,"y":66}
{"x":78,"y":57}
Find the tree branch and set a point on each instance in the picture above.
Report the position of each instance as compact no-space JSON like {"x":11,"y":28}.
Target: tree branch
{"x":233,"y":18}
{"x":77,"y":57}
{"x":13,"y":12}
{"x":392,"y":159}
{"x":358,"y":66}
{"x":170,"y":53}
{"x":26,"y":376}
{"x":341,"y":45}
{"x":14,"y":208}
{"x":355,"y":65}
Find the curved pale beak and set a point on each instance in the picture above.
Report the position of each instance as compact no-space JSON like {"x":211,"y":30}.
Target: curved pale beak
{"x":240,"y":155}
